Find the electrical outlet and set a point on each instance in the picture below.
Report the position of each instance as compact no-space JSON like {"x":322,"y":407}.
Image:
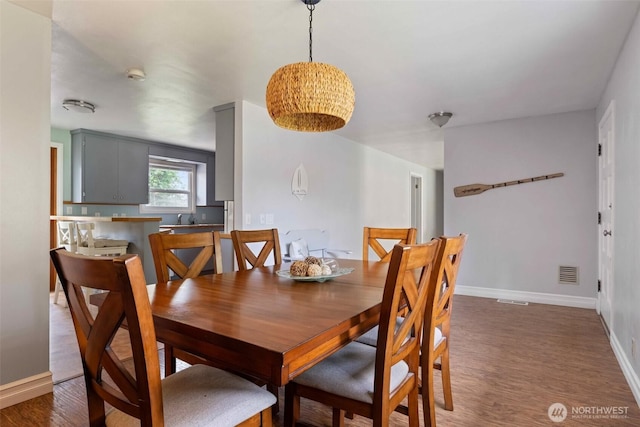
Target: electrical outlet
{"x":262,"y":219}
{"x":69,"y":210}
{"x":247,"y":219}
{"x":204,"y":216}
{"x":633,"y":349}
{"x":83,"y":210}
{"x":269,"y":218}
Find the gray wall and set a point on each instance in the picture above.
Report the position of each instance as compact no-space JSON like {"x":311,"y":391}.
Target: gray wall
{"x":350,"y":185}
{"x":24,"y":188}
{"x":521,"y":234}
{"x":624,"y":89}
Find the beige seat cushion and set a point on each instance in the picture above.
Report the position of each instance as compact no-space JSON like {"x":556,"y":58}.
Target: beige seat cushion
{"x":107,"y":243}
{"x":204,"y":396}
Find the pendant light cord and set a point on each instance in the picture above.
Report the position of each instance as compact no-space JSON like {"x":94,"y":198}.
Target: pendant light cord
{"x":311,"y":8}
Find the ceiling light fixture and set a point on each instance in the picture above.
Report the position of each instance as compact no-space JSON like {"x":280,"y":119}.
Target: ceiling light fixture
{"x":136,"y":74}
{"x":310,"y":96}
{"x":440,"y":119}
{"x":78,"y":106}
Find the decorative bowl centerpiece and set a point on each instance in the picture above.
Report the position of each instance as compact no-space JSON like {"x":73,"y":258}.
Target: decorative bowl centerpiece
{"x":313,"y":269}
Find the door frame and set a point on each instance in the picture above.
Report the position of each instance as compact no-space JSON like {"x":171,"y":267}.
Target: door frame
{"x":416,"y":205}
{"x":606,"y":141}
{"x":56,"y":178}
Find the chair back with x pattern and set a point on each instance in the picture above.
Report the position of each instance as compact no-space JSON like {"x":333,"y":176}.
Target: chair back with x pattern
{"x":373,"y":237}
{"x":164,"y":246}
{"x":127,"y":300}
{"x":438,"y":322}
{"x":405,"y":296}
{"x":342,"y":381}
{"x":245,"y":255}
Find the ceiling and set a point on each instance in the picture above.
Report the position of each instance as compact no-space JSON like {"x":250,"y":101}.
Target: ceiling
{"x":482,"y":60}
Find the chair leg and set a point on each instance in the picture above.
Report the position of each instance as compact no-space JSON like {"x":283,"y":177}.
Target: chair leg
{"x":428,"y":401}
{"x":338,"y":417}
{"x":291,"y":405}
{"x":413,"y":411}
{"x":56,"y":292}
{"x":266,"y":418}
{"x":446,"y":380}
{"x":274,"y":390}
{"x":169,"y":361}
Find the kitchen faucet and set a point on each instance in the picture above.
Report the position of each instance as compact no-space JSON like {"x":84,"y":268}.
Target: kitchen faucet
{"x":179,"y":219}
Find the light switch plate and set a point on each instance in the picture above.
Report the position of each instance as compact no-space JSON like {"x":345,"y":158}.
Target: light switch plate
{"x":69,"y":210}
{"x":83,"y":210}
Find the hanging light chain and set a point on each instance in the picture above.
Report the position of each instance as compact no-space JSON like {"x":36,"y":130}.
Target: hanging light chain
{"x":311,"y":8}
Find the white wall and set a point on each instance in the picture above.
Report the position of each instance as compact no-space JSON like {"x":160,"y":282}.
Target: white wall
{"x":350,"y":185}
{"x":25,"y":77}
{"x":624,"y":88}
{"x":521,"y":234}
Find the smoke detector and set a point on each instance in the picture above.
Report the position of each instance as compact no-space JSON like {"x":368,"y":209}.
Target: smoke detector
{"x":136,"y":74}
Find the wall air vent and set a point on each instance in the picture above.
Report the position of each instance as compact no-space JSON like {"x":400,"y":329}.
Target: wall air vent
{"x":568,"y":275}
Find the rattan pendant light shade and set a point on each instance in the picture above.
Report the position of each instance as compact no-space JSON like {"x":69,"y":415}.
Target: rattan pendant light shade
{"x":310,"y":97}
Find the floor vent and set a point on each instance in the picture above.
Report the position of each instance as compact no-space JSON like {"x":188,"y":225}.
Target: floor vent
{"x":568,"y":275}
{"x":510,"y":301}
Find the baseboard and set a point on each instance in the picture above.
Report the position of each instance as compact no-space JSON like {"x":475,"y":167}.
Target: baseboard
{"x":535,"y":297}
{"x":627,"y":369}
{"x":25,"y":389}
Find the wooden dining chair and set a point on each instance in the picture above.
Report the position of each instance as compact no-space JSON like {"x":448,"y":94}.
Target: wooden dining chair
{"x":437,"y":326}
{"x":88,"y":244}
{"x":373,"y":381}
{"x":373,"y":238}
{"x":205,"y":248}
{"x":246,"y":257}
{"x":197,"y":395}
{"x":242,"y":239}
{"x":164,"y":247}
{"x":67,"y":240}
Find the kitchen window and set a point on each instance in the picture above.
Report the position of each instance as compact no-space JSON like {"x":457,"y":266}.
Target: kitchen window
{"x":172,"y":187}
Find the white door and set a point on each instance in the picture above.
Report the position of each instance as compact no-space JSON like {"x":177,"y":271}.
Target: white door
{"x":416,"y":205}
{"x":605,"y":209}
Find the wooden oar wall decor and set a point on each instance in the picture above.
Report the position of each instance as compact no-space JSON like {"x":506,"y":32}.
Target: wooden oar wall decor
{"x":473,"y":189}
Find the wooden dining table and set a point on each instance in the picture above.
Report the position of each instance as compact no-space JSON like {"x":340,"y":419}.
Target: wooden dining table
{"x":269,"y":327}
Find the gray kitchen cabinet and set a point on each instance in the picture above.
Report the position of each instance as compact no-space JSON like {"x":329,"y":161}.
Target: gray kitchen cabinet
{"x":211,"y":181}
{"x":109,"y":169}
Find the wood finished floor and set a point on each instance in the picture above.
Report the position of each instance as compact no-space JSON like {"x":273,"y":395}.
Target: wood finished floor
{"x":509,"y":363}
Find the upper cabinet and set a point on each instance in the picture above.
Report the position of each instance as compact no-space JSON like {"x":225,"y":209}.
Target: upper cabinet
{"x":108,"y":169}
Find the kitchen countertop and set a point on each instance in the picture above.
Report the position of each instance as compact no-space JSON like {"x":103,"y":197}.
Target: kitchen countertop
{"x":105,"y":218}
{"x":173,"y":226}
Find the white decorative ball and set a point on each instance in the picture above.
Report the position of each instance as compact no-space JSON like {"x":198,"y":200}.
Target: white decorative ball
{"x":314,"y":270}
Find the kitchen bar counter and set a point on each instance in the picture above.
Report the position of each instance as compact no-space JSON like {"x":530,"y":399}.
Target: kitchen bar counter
{"x":187,"y":226}
{"x":105,"y":218}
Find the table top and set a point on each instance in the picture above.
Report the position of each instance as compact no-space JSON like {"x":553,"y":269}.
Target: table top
{"x":264,"y":325}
